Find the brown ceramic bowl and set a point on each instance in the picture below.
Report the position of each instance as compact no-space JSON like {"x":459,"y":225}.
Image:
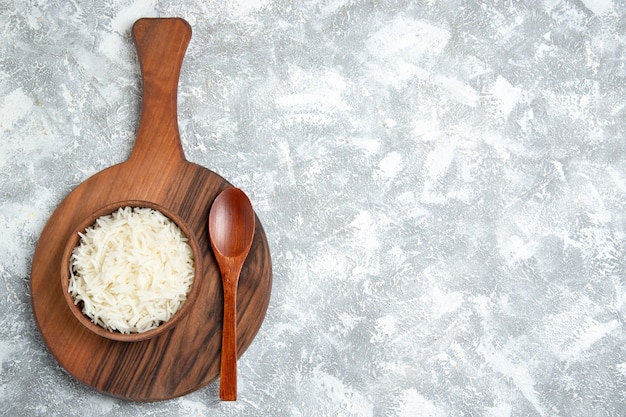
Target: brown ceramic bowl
{"x":77,"y":308}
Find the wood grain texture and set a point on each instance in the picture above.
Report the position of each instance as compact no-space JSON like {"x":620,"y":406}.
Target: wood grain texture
{"x":187,"y":357}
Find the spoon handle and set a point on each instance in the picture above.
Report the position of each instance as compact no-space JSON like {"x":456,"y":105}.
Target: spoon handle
{"x":228,"y":367}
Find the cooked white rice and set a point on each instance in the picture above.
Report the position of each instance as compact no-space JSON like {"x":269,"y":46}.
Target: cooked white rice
{"x":132,"y":270}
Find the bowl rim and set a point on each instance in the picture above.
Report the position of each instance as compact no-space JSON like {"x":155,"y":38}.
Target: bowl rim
{"x":74,"y":240}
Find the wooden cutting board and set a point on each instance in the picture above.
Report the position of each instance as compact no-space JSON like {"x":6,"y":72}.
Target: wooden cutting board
{"x":187,"y":357}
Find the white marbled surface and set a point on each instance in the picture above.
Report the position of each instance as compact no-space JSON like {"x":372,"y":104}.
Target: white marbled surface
{"x":442,"y":183}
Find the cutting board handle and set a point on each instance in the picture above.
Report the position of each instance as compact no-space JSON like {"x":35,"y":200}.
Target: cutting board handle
{"x":161,"y":44}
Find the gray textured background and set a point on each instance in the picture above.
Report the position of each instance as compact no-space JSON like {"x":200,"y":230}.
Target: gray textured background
{"x":442,"y":183}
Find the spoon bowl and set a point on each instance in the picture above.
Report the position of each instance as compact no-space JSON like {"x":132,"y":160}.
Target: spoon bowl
{"x":231,"y":224}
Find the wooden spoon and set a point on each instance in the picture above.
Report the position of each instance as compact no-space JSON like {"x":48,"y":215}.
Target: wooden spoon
{"x":231,"y":229}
